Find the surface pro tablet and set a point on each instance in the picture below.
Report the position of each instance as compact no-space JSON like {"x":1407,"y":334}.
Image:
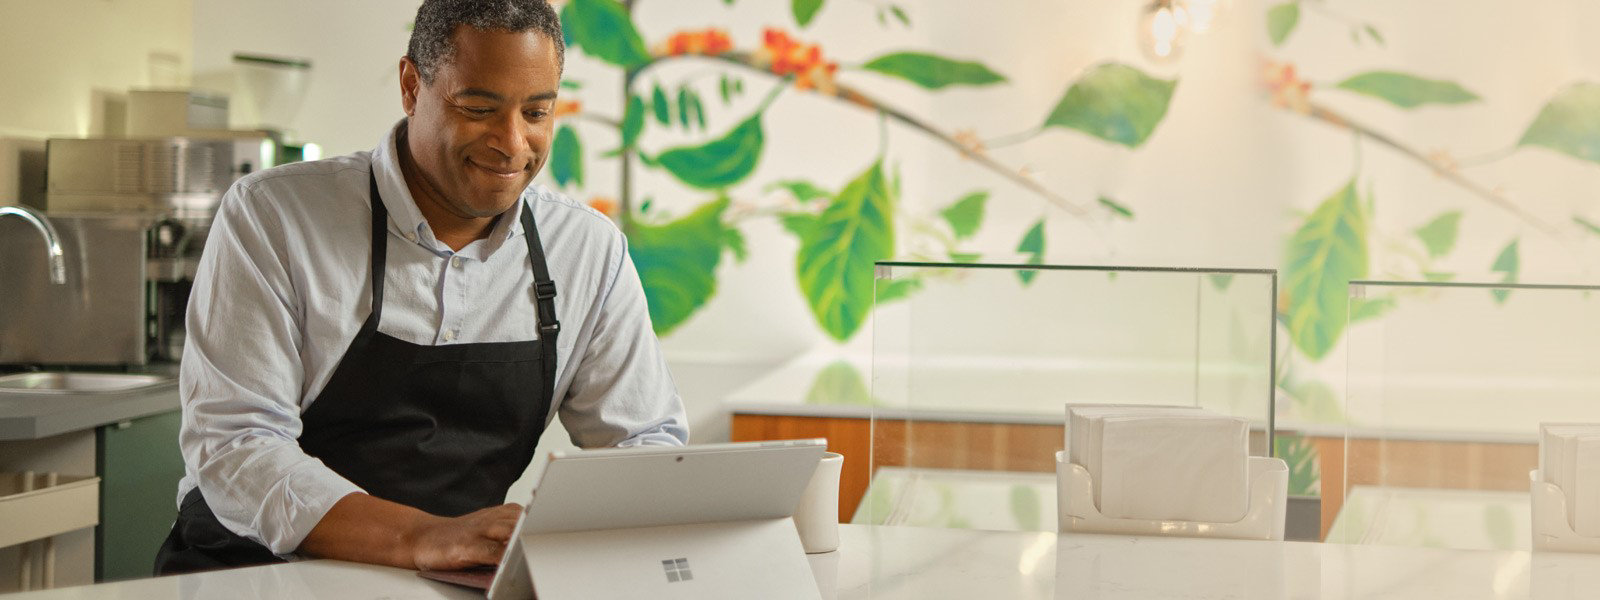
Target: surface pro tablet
{"x":709,"y":521}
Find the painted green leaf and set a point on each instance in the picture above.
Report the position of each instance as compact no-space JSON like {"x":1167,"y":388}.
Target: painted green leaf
{"x":718,"y":163}
{"x":889,"y":290}
{"x":1328,"y":251}
{"x":1281,"y":20}
{"x":684,"y":107}
{"x":839,"y":383}
{"x":799,"y":224}
{"x":660,"y":106}
{"x":1587,"y":224}
{"x":1362,"y":309}
{"x":1301,"y":457}
{"x":1439,"y":235}
{"x":900,"y":15}
{"x":1407,"y":91}
{"x":1569,"y":123}
{"x":1438,"y":276}
{"x":677,"y":263}
{"x":803,"y":190}
{"x":568,"y":84}
{"x":1114,"y":102}
{"x":603,"y":29}
{"x":566,"y":157}
{"x":1026,"y":507}
{"x":1221,"y":281}
{"x":733,"y":240}
{"x":931,"y":71}
{"x":836,"y":261}
{"x":1373,"y":33}
{"x":805,"y":10}
{"x":966,"y":214}
{"x":1509,"y":262}
{"x":1116,"y":207}
{"x":699,"y":111}
{"x":1032,"y":245}
{"x":632,"y":121}
{"x":965,"y":257}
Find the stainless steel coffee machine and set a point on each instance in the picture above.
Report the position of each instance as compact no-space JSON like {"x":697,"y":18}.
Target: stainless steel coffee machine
{"x":99,"y":273}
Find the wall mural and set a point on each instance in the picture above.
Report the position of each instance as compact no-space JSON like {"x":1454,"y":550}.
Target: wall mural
{"x":842,"y":231}
{"x":843,"y":228}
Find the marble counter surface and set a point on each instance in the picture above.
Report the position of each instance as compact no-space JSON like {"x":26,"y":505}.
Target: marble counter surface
{"x":879,"y":562}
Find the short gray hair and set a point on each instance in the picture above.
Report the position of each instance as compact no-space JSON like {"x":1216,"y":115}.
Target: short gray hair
{"x":437,"y":20}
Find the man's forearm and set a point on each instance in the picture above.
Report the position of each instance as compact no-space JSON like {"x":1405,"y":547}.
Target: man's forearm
{"x":368,"y":529}
{"x":364,"y":528}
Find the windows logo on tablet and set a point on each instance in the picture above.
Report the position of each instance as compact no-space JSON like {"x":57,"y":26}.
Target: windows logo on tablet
{"x":677,"y":569}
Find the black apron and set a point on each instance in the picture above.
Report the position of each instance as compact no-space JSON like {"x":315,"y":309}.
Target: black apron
{"x":445,"y":429}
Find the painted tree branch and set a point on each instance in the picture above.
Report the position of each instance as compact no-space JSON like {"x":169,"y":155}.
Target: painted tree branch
{"x":1330,"y":117}
{"x":851,"y":95}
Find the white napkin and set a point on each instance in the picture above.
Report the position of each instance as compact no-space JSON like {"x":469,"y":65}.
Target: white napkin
{"x":1586,"y":477}
{"x":1084,"y":431}
{"x":1559,"y":465}
{"x":1184,"y":467}
{"x":1162,"y":462}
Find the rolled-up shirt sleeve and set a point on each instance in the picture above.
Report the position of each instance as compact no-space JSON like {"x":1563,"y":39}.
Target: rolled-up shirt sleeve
{"x":241,"y":380}
{"x":621,"y":393}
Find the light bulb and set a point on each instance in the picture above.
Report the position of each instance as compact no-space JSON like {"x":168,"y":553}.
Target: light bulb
{"x":1163,"y":30}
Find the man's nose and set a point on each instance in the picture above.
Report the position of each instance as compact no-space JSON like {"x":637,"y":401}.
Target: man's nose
{"x":508,"y":135}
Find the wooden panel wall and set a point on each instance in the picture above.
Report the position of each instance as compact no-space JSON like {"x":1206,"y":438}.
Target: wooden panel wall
{"x":932,"y":444}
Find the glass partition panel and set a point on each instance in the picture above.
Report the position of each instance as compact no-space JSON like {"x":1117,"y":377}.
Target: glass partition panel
{"x":973,"y":365}
{"x":1447,"y":385}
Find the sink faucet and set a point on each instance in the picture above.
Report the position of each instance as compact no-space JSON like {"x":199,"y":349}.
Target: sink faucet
{"x":58,"y":264}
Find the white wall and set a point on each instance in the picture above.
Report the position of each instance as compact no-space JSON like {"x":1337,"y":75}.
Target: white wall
{"x":62,"y":56}
{"x":58,"y":53}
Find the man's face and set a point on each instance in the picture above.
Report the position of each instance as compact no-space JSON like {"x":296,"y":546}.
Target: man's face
{"x":481,"y":130}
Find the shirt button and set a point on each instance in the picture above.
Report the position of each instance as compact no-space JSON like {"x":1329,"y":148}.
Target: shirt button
{"x":455,"y":262}
{"x":449,"y":335}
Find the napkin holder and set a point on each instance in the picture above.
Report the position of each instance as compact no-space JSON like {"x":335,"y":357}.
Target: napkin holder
{"x":1269,"y":500}
{"x":1552,"y":531}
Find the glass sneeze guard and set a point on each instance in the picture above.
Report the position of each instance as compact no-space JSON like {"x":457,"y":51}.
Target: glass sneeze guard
{"x":974,"y":363}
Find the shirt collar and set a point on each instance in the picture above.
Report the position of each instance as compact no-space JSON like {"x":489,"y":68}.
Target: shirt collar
{"x":405,"y":217}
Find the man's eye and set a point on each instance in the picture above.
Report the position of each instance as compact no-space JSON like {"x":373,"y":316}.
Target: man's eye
{"x":536,"y":114}
{"x":478,"y":111}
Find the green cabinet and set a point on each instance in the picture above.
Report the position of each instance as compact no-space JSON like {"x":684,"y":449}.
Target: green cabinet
{"x":139,"y":465}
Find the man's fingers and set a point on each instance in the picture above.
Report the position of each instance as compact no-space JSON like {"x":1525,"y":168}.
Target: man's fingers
{"x":501,"y":530}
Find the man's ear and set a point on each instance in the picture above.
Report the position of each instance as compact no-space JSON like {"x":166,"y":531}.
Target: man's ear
{"x":410,"y":83}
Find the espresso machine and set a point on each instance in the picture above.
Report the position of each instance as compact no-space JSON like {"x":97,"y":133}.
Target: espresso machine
{"x":99,"y":271}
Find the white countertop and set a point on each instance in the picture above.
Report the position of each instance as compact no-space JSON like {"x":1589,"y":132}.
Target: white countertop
{"x":912,"y":562}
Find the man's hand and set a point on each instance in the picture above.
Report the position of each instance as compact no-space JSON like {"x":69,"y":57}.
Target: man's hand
{"x":363,"y":528}
{"x":470,"y":540}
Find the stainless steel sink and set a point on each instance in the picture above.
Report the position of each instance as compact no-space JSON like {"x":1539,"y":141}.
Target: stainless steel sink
{"x":78,"y":383}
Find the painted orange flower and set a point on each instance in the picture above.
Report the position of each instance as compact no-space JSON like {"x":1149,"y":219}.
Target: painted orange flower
{"x":1286,"y":87}
{"x":708,"y":42}
{"x":605,"y":204}
{"x":784,"y":56}
{"x":568,"y":107}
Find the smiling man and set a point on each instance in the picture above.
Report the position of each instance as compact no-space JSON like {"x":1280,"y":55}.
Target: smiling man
{"x":377,"y":341}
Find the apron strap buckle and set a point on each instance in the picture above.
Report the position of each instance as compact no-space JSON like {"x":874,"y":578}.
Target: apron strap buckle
{"x":544,"y":290}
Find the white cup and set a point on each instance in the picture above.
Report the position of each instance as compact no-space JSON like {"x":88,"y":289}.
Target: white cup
{"x":817,"y":517}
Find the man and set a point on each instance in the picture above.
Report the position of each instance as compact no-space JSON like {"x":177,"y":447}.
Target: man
{"x":374,"y":345}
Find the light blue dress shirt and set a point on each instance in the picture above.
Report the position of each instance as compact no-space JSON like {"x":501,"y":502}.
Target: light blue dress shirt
{"x":283,"y":287}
